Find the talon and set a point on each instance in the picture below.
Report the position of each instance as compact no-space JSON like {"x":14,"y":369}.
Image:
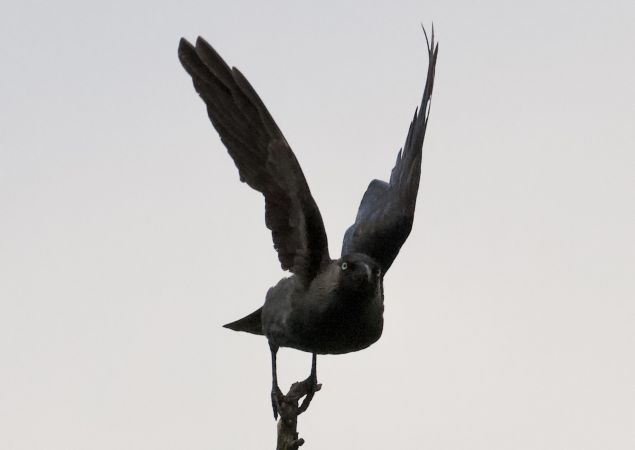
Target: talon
{"x":276,"y":399}
{"x":312,"y":387}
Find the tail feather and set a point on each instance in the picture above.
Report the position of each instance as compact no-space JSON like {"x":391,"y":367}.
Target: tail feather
{"x":250,"y":324}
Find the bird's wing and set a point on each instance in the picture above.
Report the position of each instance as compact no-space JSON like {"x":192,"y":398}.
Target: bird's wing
{"x":263,"y":158}
{"x":386,"y":213}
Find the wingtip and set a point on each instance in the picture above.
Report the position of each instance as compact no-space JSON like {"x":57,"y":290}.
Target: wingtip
{"x":431,"y":43}
{"x":205,"y":48}
{"x":185,"y":48}
{"x":201,"y":42}
{"x":426,"y":35}
{"x":184,"y":44}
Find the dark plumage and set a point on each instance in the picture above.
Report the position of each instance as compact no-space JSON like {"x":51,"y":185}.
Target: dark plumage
{"x":327,"y":306}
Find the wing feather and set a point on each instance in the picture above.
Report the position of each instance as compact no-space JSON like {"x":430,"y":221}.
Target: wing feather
{"x":263,"y":158}
{"x":386,"y":212}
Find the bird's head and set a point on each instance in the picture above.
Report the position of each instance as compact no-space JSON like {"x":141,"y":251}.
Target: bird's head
{"x":359,"y":273}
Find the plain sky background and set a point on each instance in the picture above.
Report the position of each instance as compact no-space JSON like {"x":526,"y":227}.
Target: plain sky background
{"x":126,"y":239}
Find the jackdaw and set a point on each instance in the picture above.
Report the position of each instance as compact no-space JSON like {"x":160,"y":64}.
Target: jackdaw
{"x":327,"y":306}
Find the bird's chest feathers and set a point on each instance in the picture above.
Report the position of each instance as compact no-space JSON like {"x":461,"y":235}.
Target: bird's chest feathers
{"x":338,"y":320}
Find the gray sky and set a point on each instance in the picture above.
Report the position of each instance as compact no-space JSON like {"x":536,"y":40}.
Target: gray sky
{"x":126,"y":239}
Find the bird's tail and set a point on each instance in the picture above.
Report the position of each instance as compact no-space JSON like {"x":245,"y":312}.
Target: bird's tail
{"x":251,"y":323}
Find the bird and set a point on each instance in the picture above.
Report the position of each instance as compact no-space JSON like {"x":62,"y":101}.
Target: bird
{"x":326,"y":306}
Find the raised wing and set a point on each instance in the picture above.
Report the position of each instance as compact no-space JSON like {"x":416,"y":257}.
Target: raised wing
{"x":264,"y":159}
{"x":386,"y":213}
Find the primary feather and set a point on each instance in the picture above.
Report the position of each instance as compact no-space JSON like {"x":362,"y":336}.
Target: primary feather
{"x":263,"y":158}
{"x":386,"y":212}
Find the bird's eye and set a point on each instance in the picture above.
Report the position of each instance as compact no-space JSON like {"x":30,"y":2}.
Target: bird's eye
{"x":344,"y":266}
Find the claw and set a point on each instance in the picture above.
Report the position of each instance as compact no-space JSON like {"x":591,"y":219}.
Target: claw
{"x":276,"y":400}
{"x":312,"y":387}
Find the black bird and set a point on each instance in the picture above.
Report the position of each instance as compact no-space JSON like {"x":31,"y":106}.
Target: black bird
{"x":328,"y":306}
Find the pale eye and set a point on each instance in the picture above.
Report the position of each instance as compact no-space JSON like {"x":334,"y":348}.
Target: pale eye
{"x":344,"y":266}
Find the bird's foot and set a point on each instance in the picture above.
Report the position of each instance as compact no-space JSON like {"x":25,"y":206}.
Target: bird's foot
{"x":286,"y":406}
{"x":276,"y":400}
{"x":311,"y":386}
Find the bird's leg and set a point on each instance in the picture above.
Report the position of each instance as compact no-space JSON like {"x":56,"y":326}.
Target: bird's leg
{"x":312,"y":387}
{"x":276,"y":394}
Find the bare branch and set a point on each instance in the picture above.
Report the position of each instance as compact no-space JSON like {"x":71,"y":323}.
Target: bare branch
{"x":289,"y":410}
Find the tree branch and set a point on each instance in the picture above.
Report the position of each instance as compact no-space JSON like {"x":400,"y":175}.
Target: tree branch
{"x":289,"y":408}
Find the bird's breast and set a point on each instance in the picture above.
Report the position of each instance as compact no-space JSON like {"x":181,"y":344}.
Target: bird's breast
{"x":338,"y":324}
